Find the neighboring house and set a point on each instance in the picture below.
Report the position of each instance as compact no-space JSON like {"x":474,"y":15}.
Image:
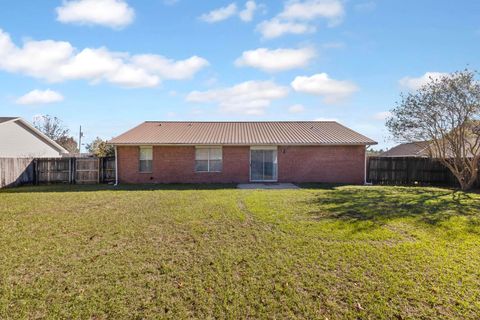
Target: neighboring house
{"x":240,"y":152}
{"x":19,"y":139}
{"x":417,"y":149}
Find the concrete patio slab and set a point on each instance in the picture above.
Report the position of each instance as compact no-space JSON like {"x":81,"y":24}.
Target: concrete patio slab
{"x":267,"y":186}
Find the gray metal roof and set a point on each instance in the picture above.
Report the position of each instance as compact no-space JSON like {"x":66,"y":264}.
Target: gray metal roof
{"x":5,"y":119}
{"x":242,"y":133}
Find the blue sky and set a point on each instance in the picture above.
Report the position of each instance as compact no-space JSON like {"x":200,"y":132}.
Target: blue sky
{"x":110,"y":64}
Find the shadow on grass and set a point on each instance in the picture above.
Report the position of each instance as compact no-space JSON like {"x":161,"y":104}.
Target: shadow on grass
{"x":110,"y":187}
{"x":382,"y":204}
{"x":322,"y":186}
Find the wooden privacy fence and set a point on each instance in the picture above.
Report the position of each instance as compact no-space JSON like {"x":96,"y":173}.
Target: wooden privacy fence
{"x":14,"y":172}
{"x":19,"y":171}
{"x":408,"y":171}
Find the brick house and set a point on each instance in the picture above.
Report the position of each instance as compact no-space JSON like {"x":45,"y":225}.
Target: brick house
{"x":241,"y":152}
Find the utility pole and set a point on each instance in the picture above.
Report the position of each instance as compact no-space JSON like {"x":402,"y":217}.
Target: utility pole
{"x":80,"y":135}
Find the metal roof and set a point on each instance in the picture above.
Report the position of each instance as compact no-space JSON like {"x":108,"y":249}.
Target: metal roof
{"x":241,"y":133}
{"x":5,"y":119}
{"x":411,"y":149}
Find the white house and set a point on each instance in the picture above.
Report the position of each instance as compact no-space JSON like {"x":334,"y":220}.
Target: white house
{"x":19,"y":139}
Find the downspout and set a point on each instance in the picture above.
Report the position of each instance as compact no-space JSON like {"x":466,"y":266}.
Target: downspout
{"x":116,"y":167}
{"x":365,"y":182}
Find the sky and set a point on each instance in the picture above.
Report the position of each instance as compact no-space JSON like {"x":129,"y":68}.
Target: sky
{"x":109,"y":65}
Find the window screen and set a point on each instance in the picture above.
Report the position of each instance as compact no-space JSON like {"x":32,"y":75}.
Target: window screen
{"x":146,"y":157}
{"x":208,"y":159}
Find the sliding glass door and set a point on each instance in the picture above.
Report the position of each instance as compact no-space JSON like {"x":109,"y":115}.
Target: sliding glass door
{"x":263,"y":165}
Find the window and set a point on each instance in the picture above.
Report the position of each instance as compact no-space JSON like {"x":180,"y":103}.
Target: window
{"x":208,"y":159}
{"x":146,"y":156}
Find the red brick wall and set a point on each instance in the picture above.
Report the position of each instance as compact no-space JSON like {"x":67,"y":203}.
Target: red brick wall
{"x":336,"y":164}
{"x":177,"y":165}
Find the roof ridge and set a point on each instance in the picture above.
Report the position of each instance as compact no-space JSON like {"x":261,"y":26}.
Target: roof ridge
{"x":263,"y":121}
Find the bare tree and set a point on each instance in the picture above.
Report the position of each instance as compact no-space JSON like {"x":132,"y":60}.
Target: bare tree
{"x":53,"y":128}
{"x":444,"y":112}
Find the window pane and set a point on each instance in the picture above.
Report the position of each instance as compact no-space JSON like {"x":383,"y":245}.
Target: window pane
{"x":201,"y":154}
{"x":215,"y":165}
{"x":146,"y":153}
{"x":269,"y":165}
{"x":216,"y":154}
{"x":145,"y":165}
{"x":208,"y":159}
{"x":201,"y":165}
{"x":256,"y":166}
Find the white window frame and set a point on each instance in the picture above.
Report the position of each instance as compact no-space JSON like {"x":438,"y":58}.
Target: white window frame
{"x":208,"y":158}
{"x":140,"y":159}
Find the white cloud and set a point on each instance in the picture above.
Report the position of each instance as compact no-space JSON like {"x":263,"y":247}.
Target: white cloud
{"x":247,"y":14}
{"x":170,"y":69}
{"x":276,"y":60}
{"x":413,"y":84}
{"x":296,"y":108}
{"x":321,"y":84}
{"x":36,"y":58}
{"x":220,"y":14}
{"x":312,"y":9}
{"x":229,"y":11}
{"x":275,"y":28}
{"x":110,"y":13}
{"x":130,"y":76}
{"x":251,"y":97}
{"x":298,"y":17}
{"x":40,"y":97}
{"x":87,"y":64}
{"x":57,"y":61}
{"x":382,"y":116}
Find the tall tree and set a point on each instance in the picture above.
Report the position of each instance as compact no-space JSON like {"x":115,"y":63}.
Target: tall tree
{"x":100,"y":148}
{"x":53,"y":128}
{"x":444,"y":112}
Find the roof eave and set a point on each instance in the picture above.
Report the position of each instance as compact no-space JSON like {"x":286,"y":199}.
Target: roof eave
{"x":239,"y":144}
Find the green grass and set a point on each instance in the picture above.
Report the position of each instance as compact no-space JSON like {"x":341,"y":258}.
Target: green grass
{"x":174,"y":252}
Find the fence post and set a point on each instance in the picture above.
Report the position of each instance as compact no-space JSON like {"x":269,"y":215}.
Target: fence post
{"x":407,"y":176}
{"x":69,"y":170}
{"x":98,"y":170}
{"x":101,"y":168}
{"x":35,"y":172}
{"x":74,"y":170}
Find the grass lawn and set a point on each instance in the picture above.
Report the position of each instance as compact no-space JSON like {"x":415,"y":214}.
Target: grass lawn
{"x":173,"y":252}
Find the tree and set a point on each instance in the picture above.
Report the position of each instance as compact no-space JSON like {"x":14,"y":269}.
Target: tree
{"x":69,"y":143}
{"x":100,"y":148}
{"x":53,"y":128}
{"x":444,"y":112}
{"x":374,"y":152}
